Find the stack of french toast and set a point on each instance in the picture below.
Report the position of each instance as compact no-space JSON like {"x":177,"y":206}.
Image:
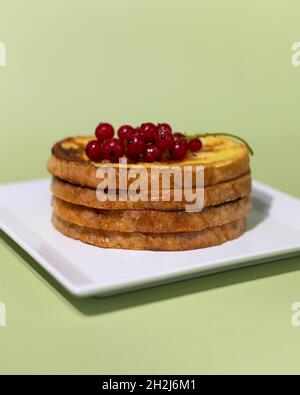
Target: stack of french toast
{"x":86,"y":210}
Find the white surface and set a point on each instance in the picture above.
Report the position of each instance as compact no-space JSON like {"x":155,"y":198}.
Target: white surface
{"x":25,"y":212}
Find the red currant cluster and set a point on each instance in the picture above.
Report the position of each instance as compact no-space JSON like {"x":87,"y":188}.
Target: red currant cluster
{"x":147,"y":142}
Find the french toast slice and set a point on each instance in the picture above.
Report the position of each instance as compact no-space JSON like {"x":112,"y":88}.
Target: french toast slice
{"x":223,"y":159}
{"x":151,"y":221}
{"x":214,"y":194}
{"x":152,"y":241}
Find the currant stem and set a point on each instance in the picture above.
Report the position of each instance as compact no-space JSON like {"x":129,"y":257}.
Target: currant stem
{"x":224,"y":134}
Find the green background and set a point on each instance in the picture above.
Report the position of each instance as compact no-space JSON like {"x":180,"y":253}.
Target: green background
{"x":201,"y":65}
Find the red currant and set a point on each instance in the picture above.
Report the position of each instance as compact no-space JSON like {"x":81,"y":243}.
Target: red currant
{"x":94,"y":150}
{"x":164,"y":126}
{"x":125,"y":132}
{"x":195,"y":145}
{"x":147,"y":131}
{"x":164,"y":139}
{"x":152,"y":153}
{"x":179,"y":150}
{"x":179,"y":136}
{"x":134,"y":147}
{"x":113,"y":149}
{"x":104,"y":131}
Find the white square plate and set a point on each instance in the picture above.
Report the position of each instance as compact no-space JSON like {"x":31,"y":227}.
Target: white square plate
{"x":25,"y":212}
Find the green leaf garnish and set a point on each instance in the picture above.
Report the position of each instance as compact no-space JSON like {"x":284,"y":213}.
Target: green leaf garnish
{"x":223,"y":134}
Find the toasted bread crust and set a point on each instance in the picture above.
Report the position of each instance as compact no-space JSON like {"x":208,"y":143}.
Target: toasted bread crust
{"x":213,"y":195}
{"x":223,"y":159}
{"x":150,"y":221}
{"x":152,"y":241}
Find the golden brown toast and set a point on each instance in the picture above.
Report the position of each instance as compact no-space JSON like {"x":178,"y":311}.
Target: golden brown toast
{"x":151,"y":221}
{"x":152,"y":241}
{"x":223,"y":159}
{"x":214,"y":194}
